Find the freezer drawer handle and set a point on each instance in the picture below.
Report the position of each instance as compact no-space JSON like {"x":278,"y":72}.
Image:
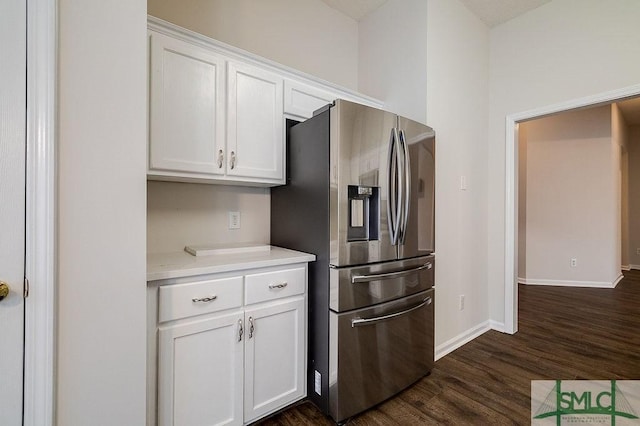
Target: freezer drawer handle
{"x":281,"y":285}
{"x":204,"y":299}
{"x":389,"y":275}
{"x":368,"y":321}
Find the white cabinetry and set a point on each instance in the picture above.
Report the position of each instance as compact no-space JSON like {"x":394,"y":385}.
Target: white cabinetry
{"x":274,"y":357}
{"x":255,"y":133}
{"x":212,"y":118}
{"x":216,"y":113}
{"x":302,"y":99}
{"x":231,"y":347}
{"x":186,"y":107}
{"x":200,"y":365}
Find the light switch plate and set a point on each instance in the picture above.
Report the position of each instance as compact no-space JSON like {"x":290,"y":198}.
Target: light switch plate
{"x":234,"y":220}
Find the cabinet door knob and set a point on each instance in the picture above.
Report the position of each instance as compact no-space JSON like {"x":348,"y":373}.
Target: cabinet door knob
{"x":4,"y":290}
{"x":232,"y":161}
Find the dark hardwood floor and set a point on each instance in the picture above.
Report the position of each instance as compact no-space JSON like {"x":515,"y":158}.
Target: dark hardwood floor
{"x":564,"y":333}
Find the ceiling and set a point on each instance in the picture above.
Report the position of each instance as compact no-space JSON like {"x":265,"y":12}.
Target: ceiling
{"x":496,"y":12}
{"x":491,"y":12}
{"x":357,"y":9}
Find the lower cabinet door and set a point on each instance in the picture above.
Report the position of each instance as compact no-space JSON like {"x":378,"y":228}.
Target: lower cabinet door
{"x":200,"y":371}
{"x":274,"y":357}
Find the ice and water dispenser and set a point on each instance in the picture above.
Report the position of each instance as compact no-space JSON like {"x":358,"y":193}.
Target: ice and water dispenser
{"x":364,"y":213}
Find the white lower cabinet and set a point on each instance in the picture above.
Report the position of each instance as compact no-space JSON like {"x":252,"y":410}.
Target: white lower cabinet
{"x":274,"y":357}
{"x":224,"y":362}
{"x":200,"y":365}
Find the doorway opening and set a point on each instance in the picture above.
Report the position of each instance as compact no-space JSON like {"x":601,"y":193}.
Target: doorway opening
{"x":511,"y":186}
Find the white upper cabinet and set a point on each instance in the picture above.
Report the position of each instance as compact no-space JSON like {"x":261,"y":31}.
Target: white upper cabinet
{"x":217,"y":113}
{"x":302,"y":99}
{"x":186,"y":107}
{"x":255,"y":124}
{"x":212,"y":118}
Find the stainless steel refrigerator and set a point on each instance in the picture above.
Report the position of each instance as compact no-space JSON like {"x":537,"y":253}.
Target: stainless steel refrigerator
{"x":360,"y":196}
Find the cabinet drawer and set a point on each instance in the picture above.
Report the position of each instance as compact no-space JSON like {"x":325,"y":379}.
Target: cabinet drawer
{"x":274,"y":285}
{"x":201,"y":297}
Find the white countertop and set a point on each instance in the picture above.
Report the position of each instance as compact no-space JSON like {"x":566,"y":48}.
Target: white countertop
{"x":162,"y":266}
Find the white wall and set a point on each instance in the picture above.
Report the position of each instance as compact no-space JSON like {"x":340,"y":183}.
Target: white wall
{"x":181,"y":214}
{"x":564,"y":50}
{"x":307,"y":35}
{"x":457,"y":103}
{"x":101,"y":320}
{"x":392,"y":57}
{"x":634,"y":196}
{"x":572,"y":199}
{"x":411,"y":57}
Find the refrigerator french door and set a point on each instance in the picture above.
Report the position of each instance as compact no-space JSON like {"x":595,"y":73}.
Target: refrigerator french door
{"x":360,"y":196}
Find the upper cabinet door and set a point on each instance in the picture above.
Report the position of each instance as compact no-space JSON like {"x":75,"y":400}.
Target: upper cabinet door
{"x":255,"y":123}
{"x":302,"y":100}
{"x":186,"y":128}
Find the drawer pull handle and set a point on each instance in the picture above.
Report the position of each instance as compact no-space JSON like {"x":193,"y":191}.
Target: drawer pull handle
{"x":281,"y":285}
{"x":204,"y":299}
{"x":389,"y":275}
{"x":356,"y":322}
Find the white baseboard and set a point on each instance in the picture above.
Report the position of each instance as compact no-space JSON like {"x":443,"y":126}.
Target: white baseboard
{"x":636,"y":267}
{"x":497,"y":326}
{"x":625,"y":267}
{"x":617,"y":280}
{"x":567,"y":283}
{"x":462,"y":338}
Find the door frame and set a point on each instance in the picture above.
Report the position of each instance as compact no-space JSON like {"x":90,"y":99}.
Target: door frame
{"x":40,"y":220}
{"x":511,"y":187}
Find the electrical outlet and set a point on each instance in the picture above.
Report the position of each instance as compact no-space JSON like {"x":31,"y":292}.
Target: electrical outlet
{"x":638,"y":251}
{"x":463,"y":183}
{"x":234,"y":220}
{"x":574,"y":262}
{"x":461,"y":307}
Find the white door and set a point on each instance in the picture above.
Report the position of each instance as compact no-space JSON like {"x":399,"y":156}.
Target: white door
{"x":255,"y":123}
{"x":274,"y":358}
{"x":200,"y":371}
{"x":186,"y":107}
{"x":12,"y":204}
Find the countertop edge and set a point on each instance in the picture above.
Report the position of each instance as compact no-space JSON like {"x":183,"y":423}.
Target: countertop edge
{"x":218,"y":265}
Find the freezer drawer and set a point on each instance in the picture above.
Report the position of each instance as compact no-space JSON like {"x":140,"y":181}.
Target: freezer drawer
{"x":360,"y":286}
{"x":376,"y":352}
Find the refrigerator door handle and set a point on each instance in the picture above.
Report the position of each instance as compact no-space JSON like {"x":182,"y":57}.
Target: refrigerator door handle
{"x":356,"y":322}
{"x":393,"y":198}
{"x":389,"y":275}
{"x":407,"y":188}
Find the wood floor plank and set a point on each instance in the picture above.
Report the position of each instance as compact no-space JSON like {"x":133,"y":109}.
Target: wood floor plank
{"x":564,"y":333}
